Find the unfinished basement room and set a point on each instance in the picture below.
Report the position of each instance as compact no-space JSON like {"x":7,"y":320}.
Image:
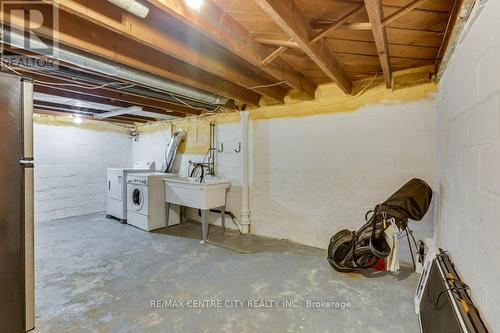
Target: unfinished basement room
{"x":207,"y":166}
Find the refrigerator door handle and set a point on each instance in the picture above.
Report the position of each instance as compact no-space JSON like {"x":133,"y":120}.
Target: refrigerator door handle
{"x":27,"y":163}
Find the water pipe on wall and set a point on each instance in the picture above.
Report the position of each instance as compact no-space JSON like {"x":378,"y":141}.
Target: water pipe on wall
{"x":245,"y":203}
{"x":210,"y":165}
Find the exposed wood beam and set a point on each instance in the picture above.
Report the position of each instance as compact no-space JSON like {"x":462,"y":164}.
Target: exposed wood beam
{"x":453,"y":29}
{"x":221,"y":28}
{"x":321,"y":24}
{"x":398,"y":6}
{"x":83,"y":35}
{"x":337,"y":24}
{"x":151,"y":32}
{"x":277,"y":42}
{"x":95,"y":99}
{"x":83,"y":87}
{"x":411,"y":76}
{"x":402,"y":11}
{"x":349,"y":26}
{"x":375,"y":14}
{"x":276,"y":53}
{"x":145,"y":102}
{"x":357,"y":26}
{"x":86,"y":84}
{"x":113,"y":97}
{"x":324,"y":24}
{"x":295,"y":24}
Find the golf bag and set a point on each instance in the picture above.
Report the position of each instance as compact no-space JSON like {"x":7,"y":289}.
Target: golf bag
{"x":351,"y":250}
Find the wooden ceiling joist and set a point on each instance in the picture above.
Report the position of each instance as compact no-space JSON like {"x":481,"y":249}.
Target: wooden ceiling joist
{"x":242,"y":50}
{"x":322,"y":24}
{"x":221,"y":28}
{"x":276,"y":53}
{"x":145,"y":102}
{"x":375,"y":15}
{"x":340,"y":22}
{"x":402,"y":11}
{"x":91,"y":38}
{"x":278,"y":42}
{"x":112,"y":94}
{"x":86,"y":80}
{"x":436,"y":7}
{"x":451,"y":29}
{"x":60,"y":92}
{"x":295,"y":24}
{"x":147,"y":32}
{"x":114,"y":97}
{"x":357,"y":26}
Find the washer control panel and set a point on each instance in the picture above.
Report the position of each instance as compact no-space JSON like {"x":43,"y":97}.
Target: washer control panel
{"x":137,"y":181}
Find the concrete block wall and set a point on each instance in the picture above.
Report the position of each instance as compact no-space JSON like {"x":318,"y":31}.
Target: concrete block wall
{"x":71,"y":168}
{"x":314,"y":176}
{"x":469,"y":160}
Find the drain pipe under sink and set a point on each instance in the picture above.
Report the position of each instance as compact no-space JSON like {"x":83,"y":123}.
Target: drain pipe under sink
{"x":245,"y":190}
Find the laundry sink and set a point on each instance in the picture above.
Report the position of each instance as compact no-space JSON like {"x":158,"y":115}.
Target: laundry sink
{"x":191,"y":193}
{"x":204,"y":196}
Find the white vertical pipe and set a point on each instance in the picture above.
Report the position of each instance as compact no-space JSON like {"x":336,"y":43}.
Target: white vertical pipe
{"x":245,"y":190}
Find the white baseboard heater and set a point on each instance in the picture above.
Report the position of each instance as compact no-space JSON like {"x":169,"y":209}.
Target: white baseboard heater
{"x":445,"y":304}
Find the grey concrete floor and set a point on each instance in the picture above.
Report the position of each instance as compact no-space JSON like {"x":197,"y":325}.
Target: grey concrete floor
{"x":96,"y":275}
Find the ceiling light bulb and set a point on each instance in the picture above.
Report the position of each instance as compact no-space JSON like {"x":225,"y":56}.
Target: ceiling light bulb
{"x":195,"y":4}
{"x":77,"y":119}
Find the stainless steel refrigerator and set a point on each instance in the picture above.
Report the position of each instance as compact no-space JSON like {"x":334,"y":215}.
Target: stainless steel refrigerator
{"x":17,"y":299}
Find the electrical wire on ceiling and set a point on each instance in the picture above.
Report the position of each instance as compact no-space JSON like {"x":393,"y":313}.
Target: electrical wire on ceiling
{"x":10,"y":68}
{"x":96,"y":87}
{"x":369,"y":85}
{"x":128,"y":85}
{"x":194,"y":107}
{"x":16,"y":72}
{"x":142,"y":91}
{"x":268,"y":85}
{"x":84,"y":86}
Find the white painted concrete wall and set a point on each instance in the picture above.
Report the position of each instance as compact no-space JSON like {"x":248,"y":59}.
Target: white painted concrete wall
{"x":469,"y":161}
{"x":151,"y":146}
{"x":71,"y":165}
{"x":316,"y":175}
{"x":313,"y":176}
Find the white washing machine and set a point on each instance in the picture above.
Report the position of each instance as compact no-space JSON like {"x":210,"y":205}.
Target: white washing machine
{"x":117,"y":188}
{"x":146,"y":207}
